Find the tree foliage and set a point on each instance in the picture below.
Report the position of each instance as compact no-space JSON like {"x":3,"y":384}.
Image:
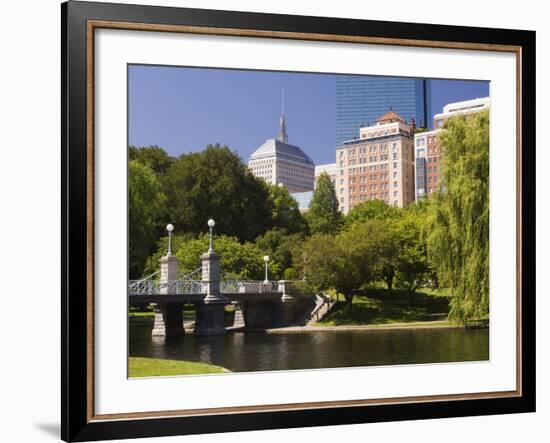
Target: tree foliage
{"x":323,"y":215}
{"x":342,"y":262}
{"x":145,"y":202}
{"x":215,"y":183}
{"x":279,"y":246}
{"x":372,"y":210}
{"x":238,"y":260}
{"x":153,"y":156}
{"x":459,"y":232}
{"x":285,"y":214}
{"x":412,"y":267}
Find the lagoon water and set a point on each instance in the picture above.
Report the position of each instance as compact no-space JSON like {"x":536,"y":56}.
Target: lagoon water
{"x":257,"y":351}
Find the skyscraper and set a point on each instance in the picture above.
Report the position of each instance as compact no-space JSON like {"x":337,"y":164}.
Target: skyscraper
{"x":361,"y":99}
{"x":279,"y":162}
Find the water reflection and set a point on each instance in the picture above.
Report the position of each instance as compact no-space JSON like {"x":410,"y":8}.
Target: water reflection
{"x":240,"y":352}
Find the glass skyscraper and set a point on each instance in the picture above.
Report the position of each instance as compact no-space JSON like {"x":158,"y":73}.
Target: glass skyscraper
{"x":361,"y":99}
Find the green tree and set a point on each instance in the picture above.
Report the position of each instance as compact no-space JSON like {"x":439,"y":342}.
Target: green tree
{"x":323,"y":265}
{"x":285,"y":210}
{"x":215,"y":183}
{"x":153,"y":156}
{"x":459,"y":224}
{"x":238,"y":260}
{"x":378,"y":241}
{"x":342,"y":262}
{"x":323,"y":215}
{"x":145,"y":202}
{"x":372,"y":210}
{"x":412,"y":267}
{"x":279,"y":246}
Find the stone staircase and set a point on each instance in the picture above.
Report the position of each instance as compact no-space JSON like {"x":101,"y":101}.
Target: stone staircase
{"x":323,"y":305}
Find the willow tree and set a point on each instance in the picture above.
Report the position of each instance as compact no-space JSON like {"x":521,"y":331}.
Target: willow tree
{"x":458,"y":243}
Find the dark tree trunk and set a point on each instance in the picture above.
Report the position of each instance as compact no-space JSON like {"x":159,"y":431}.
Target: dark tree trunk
{"x":411,"y":295}
{"x":388,"y":278}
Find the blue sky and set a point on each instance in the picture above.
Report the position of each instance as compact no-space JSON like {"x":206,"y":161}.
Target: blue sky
{"x":184,"y":109}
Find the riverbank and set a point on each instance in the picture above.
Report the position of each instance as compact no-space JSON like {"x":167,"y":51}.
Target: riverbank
{"x":375,"y":307}
{"x":154,"y":367}
{"x":380,"y":327}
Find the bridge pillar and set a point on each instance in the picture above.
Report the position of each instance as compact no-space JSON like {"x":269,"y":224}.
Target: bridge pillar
{"x":210,"y":315}
{"x":168,"y":320}
{"x":168,"y":316}
{"x":238,"y":320}
{"x":259,"y":314}
{"x":287,"y":307}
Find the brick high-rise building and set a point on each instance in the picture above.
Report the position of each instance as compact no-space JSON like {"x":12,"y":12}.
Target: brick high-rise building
{"x":377,"y":165}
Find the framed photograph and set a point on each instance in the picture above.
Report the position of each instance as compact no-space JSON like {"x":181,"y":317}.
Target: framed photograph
{"x":276,"y":221}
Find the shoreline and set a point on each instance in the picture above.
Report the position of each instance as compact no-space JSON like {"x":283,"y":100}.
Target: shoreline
{"x":381,"y":327}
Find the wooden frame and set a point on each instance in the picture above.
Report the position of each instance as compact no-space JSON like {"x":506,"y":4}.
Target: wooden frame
{"x":79,"y":21}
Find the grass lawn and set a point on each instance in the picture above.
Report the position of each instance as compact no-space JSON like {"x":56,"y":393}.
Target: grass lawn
{"x":150,"y":367}
{"x":141,"y":314}
{"x":380,"y":306}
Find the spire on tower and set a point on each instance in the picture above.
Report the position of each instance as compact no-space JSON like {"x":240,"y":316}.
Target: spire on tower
{"x":282,"y":124}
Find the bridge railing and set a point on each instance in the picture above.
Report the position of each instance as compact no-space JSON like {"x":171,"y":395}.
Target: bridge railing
{"x":194,"y":287}
{"x":155,"y":287}
{"x":248,"y":287}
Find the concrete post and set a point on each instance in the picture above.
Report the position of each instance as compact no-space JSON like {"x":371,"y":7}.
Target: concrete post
{"x":210,"y":318}
{"x":238,"y":321}
{"x":168,"y":316}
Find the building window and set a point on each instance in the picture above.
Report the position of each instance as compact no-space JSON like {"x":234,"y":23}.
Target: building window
{"x":395,"y":184}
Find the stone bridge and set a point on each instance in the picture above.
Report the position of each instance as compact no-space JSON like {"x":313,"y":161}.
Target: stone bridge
{"x":258,"y":304}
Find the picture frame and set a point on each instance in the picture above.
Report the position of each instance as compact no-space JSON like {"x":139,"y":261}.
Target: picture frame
{"x":80,"y":21}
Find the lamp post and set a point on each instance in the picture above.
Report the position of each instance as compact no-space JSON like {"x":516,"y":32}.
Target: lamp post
{"x":169,"y":228}
{"x":211,"y":224}
{"x":266,"y":261}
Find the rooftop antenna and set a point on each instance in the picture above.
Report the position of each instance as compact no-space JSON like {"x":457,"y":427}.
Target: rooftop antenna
{"x":282,"y":124}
